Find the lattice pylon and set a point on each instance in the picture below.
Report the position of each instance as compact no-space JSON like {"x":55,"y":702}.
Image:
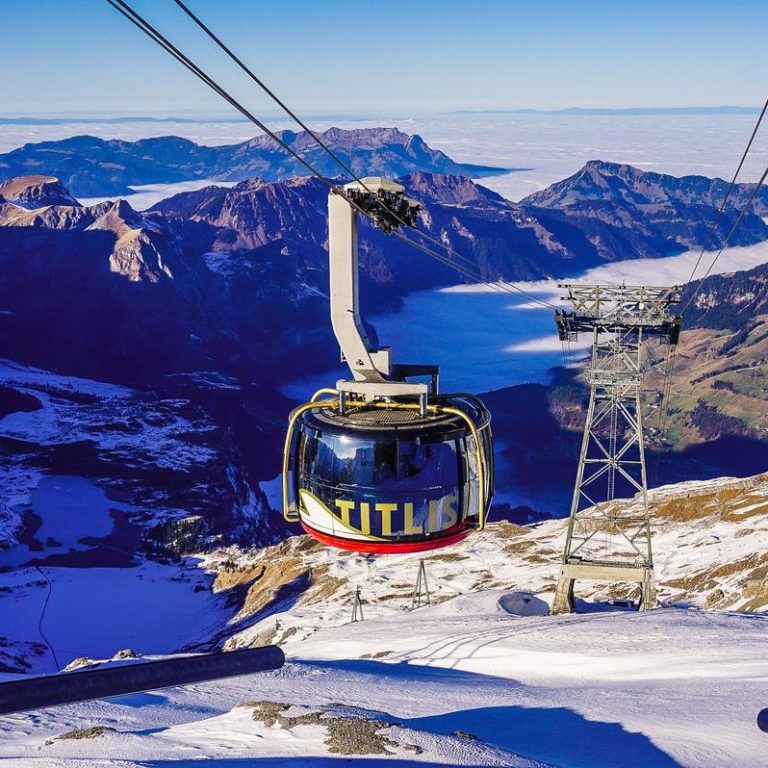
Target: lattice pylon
{"x":607,"y":541}
{"x":612,"y":460}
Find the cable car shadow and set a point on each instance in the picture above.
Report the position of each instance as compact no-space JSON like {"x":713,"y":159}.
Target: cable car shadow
{"x":557,"y":735}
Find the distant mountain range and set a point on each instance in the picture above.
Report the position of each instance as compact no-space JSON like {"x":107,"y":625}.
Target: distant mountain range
{"x":183,"y":304}
{"x":105,"y":120}
{"x":218,"y":116}
{"x":627,"y":111}
{"x":93,"y":167}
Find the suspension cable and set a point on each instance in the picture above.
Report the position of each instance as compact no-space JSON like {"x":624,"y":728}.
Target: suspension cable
{"x":141,"y":23}
{"x":334,"y":155}
{"x":757,"y":188}
{"x":719,"y":213}
{"x":124,"y":8}
{"x":264,"y":87}
{"x":502,"y":287}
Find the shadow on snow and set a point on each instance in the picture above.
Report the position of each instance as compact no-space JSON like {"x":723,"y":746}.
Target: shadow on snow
{"x":555,"y":735}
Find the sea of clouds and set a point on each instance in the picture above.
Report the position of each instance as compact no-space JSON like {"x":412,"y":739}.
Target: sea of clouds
{"x":485,"y":340}
{"x":549,"y":147}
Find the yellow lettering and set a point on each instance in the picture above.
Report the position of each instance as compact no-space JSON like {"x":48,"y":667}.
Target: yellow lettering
{"x":434,"y":518}
{"x":365,"y":518}
{"x":450,"y":513}
{"x":344,"y":507}
{"x":386,"y":511}
{"x":409,"y":526}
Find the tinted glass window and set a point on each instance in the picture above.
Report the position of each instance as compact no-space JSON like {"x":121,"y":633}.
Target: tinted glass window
{"x":382,"y":487}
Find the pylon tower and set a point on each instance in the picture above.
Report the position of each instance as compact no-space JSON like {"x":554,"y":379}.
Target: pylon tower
{"x":603,"y":542}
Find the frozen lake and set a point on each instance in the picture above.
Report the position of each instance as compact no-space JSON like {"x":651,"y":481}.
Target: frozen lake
{"x":50,"y":591}
{"x":74,"y":513}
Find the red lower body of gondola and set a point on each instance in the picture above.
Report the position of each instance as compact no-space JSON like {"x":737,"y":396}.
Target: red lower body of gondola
{"x":389,"y":547}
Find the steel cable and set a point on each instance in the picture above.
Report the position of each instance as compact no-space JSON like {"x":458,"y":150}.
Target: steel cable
{"x":141,"y":23}
{"x":334,"y":156}
{"x":719,"y":213}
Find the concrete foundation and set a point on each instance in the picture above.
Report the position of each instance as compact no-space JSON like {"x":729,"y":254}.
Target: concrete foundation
{"x":572,"y":572}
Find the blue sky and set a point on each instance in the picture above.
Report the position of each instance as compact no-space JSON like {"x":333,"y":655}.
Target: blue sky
{"x":345,"y":56}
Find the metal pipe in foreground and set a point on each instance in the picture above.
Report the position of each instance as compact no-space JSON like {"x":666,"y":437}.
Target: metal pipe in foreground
{"x":70,"y":687}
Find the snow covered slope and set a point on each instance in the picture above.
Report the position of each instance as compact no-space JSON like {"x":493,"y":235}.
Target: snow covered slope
{"x":710,"y":543}
{"x":461,"y":683}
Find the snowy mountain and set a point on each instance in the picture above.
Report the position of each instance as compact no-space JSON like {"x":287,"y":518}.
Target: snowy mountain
{"x":467,"y":684}
{"x":470,"y":679}
{"x":197,"y":289}
{"x":92,"y":167}
{"x":709,"y":543}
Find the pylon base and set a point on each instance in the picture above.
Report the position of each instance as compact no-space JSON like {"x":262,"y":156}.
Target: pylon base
{"x":572,"y":572}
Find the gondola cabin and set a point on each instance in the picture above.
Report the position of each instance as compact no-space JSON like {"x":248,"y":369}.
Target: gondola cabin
{"x":382,"y":478}
{"x":382,"y":463}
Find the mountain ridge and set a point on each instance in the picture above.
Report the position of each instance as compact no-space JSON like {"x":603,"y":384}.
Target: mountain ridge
{"x":91,"y":167}
{"x":198,"y":288}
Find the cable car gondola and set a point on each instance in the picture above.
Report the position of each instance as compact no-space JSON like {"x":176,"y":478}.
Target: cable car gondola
{"x":382,"y":464}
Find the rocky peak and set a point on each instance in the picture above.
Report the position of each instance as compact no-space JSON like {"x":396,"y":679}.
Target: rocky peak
{"x":143,"y":248}
{"x":263,"y":141}
{"x":364,"y":138}
{"x":449,"y":188}
{"x":247,"y":186}
{"x":33,"y":192}
{"x":117,"y":216}
{"x":600,"y":181}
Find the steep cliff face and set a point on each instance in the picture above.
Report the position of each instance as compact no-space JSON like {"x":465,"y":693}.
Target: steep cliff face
{"x":731,"y":301}
{"x":143,"y":248}
{"x":36,"y":192}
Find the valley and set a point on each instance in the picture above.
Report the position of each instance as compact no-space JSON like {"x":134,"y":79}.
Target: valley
{"x":150,"y":359}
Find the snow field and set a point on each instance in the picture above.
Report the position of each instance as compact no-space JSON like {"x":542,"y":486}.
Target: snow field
{"x":665,"y":688}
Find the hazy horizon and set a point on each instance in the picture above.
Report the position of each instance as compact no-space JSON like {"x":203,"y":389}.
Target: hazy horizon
{"x":224,"y":116}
